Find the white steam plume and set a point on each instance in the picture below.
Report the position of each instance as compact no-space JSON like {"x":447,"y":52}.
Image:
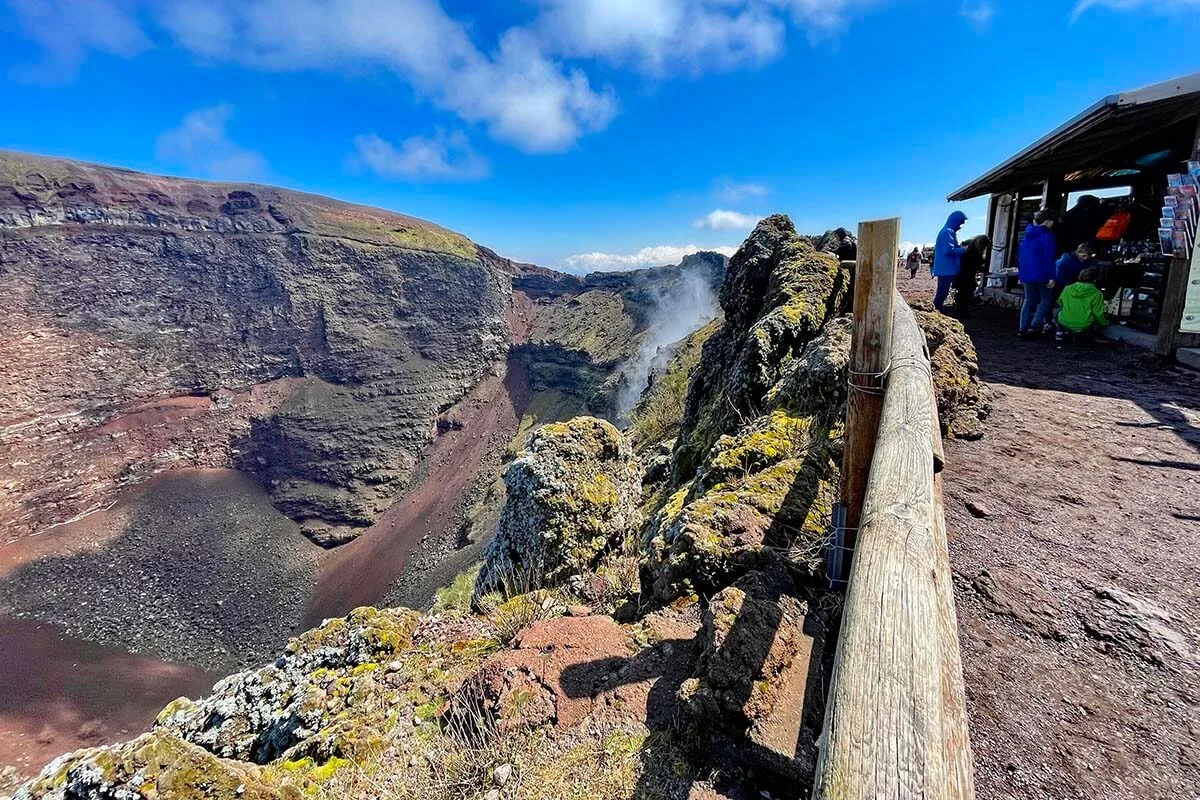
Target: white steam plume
{"x":679,"y":310}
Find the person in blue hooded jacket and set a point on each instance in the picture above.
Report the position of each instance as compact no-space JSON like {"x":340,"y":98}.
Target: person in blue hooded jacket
{"x":1036,"y":269}
{"x":947,"y":258}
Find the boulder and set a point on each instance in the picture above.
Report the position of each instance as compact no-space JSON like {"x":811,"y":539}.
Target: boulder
{"x":961,"y":397}
{"x":763,"y":496}
{"x":838,"y":242}
{"x":551,"y":675}
{"x":571,"y":500}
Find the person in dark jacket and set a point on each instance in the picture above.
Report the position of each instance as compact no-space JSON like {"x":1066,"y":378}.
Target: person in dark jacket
{"x":971,"y":266}
{"x":1079,"y":225}
{"x":914,"y":262}
{"x":947,"y":254}
{"x":1036,"y":262}
{"x":1067,"y":270}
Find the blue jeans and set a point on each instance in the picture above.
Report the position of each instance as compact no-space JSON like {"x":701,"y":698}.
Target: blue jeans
{"x":1035,"y":311}
{"x":943,"y":289}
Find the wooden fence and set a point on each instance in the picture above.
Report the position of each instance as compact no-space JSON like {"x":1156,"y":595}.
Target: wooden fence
{"x":895,"y":722}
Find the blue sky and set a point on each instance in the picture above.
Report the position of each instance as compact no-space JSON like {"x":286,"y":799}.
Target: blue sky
{"x":581,"y":133}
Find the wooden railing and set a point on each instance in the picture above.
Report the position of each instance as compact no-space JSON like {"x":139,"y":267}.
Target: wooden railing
{"x":895,"y":721}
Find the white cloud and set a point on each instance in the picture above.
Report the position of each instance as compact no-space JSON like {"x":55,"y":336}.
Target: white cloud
{"x":664,"y":37}
{"x":515,"y":86}
{"x":441,"y":157}
{"x":659,"y":256}
{"x":1132,"y":5}
{"x":722,"y":220}
{"x":1180,"y":6}
{"x":731,"y":191}
{"x":660,"y":37}
{"x":821,"y":14}
{"x":201,"y":145}
{"x":979,"y":13}
{"x":516,"y":91}
{"x":68,"y":29}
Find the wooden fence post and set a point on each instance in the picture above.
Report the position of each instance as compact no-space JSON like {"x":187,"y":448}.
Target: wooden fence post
{"x":895,"y":721}
{"x":870,"y":354}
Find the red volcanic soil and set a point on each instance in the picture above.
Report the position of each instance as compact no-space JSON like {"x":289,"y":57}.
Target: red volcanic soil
{"x":59,"y":694}
{"x":68,"y":463}
{"x":361,"y":573}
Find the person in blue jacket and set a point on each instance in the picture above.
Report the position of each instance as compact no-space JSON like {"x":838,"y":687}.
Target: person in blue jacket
{"x":1036,"y":269}
{"x":947,"y":258}
{"x":1071,"y":264}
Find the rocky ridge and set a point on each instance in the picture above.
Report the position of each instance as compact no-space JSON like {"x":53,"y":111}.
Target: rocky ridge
{"x":707,"y":678}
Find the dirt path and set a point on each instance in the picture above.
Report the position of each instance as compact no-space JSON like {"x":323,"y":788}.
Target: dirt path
{"x":1075,"y":548}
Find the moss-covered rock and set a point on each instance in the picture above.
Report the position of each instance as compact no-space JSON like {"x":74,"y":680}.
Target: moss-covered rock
{"x":764,"y":496}
{"x":259,"y":715}
{"x":159,"y":765}
{"x":761,"y":442}
{"x":961,"y":397}
{"x":777,"y":296}
{"x":571,"y":499}
{"x":815,"y":383}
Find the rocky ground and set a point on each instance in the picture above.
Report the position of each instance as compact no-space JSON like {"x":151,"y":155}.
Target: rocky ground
{"x":1073,"y":541}
{"x":203,"y":571}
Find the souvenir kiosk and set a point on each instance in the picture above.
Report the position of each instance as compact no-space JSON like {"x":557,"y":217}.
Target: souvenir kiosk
{"x":1139,"y":153}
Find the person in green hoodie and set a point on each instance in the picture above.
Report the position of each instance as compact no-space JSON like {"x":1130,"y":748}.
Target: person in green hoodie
{"x":1081,"y":307}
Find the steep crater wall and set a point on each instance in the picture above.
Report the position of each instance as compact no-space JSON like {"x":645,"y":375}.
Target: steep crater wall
{"x":123,"y":288}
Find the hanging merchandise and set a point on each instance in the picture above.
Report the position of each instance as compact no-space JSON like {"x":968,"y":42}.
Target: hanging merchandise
{"x":1114,"y":229}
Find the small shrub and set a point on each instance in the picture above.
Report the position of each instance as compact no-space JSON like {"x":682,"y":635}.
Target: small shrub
{"x":457,"y":596}
{"x":517,"y":614}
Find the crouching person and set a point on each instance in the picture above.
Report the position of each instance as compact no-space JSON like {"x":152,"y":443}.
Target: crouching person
{"x":1081,"y":308}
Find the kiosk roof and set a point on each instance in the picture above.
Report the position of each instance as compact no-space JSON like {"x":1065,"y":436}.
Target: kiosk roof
{"x":1109,"y":137}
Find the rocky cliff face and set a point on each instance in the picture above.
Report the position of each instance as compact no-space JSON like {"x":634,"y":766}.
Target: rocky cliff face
{"x":165,"y":338}
{"x":708,"y":678}
{"x":123,"y":289}
{"x":583,"y":332}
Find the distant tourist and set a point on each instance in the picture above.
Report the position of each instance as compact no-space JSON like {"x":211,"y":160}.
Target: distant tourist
{"x":1072,"y":264}
{"x":1036,"y":262}
{"x":1081,"y":308}
{"x":914,"y":262}
{"x":947,"y":255}
{"x":970,"y":267}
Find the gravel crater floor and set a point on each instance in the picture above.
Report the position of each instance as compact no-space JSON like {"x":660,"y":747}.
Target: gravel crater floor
{"x":1074,"y":542}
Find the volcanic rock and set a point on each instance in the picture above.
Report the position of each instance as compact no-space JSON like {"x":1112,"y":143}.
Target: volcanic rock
{"x":571,"y":499}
